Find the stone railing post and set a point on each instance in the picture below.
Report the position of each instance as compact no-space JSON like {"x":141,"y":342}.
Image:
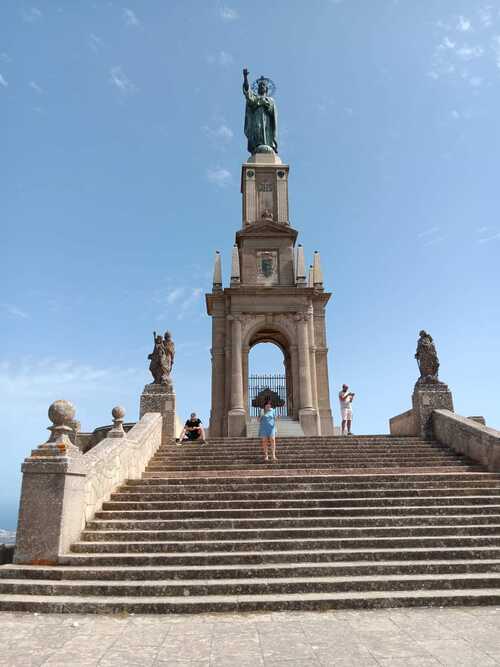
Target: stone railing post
{"x":52,"y":494}
{"x":160,"y":398}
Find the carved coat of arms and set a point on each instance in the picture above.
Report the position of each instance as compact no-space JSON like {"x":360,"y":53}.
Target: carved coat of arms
{"x":267,"y":266}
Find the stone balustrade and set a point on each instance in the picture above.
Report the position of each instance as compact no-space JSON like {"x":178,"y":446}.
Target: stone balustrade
{"x":469,"y":437}
{"x":62,"y":488}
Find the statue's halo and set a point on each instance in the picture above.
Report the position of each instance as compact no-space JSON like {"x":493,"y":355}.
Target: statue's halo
{"x":271,"y":86}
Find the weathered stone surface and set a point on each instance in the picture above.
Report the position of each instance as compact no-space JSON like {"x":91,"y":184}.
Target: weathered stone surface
{"x":160,"y":399}
{"x":467,"y":436}
{"x":427,"y":398}
{"x":379,"y":638}
{"x":403,"y":424}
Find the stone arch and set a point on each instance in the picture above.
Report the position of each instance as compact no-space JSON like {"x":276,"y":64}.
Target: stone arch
{"x":272,"y":331}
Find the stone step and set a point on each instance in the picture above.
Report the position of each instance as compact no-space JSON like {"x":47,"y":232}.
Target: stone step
{"x":285,"y":533}
{"x":259,"y":543}
{"x":318,"y":463}
{"x":327,"y":500}
{"x":325,"y":489}
{"x":250,"y":603}
{"x":239,"y":571}
{"x":207,"y":452}
{"x":277,"y":557}
{"x":274,"y":469}
{"x":254,"y":586}
{"x":172,"y":522}
{"x":186,"y":508}
{"x":343,"y":517}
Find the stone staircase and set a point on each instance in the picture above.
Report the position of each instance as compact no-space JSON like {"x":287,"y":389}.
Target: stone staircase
{"x":369,"y":521}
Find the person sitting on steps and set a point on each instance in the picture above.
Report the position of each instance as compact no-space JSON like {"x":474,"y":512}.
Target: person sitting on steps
{"x":193,"y":430}
{"x":346,"y":397}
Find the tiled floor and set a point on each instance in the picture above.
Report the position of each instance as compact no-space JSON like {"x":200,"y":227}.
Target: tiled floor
{"x":389,"y":638}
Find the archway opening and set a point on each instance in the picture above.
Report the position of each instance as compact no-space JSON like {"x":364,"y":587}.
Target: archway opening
{"x":268,"y":377}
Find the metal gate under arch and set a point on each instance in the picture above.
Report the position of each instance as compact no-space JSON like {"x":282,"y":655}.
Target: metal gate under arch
{"x":276,"y":384}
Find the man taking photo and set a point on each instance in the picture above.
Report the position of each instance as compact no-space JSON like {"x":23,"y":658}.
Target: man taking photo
{"x":346,"y":397}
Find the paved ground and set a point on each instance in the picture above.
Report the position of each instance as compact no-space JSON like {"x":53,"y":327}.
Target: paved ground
{"x":391,"y":638}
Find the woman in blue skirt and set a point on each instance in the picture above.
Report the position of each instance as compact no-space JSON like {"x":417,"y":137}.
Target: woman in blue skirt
{"x":267,"y":431}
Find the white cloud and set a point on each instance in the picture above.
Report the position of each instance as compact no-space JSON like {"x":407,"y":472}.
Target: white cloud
{"x":175,"y":294}
{"x":219,"y":176}
{"x":95,"y":42}
{"x":464,"y":24}
{"x":5,"y":58}
{"x":130,"y":18}
{"x":485,"y":16}
{"x":31,"y":15}
{"x":228,"y":14}
{"x":14,"y":311}
{"x":3,"y":82}
{"x":222,"y":58}
{"x":120,"y":80}
{"x":455,"y":114}
{"x":190,"y":301}
{"x":489,"y":239}
{"x":34,"y":86}
{"x":467,"y":52}
{"x":52,"y":378}
{"x":428,"y":232}
{"x":220,"y":135}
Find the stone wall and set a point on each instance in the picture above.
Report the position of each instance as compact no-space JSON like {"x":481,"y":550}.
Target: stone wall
{"x":403,"y":424}
{"x":114,"y":460}
{"x":467,"y":436}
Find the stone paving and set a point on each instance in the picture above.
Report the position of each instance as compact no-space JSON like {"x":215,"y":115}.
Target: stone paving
{"x":389,"y":638}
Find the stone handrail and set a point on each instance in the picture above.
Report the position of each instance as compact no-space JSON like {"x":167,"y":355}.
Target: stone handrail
{"x":466,"y":436}
{"x":63,"y":488}
{"x":115,"y":460}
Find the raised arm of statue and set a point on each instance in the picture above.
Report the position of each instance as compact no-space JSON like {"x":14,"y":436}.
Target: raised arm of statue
{"x":246,"y":87}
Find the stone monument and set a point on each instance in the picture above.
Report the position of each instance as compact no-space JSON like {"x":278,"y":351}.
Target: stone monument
{"x":429,"y":393}
{"x":269,"y":298}
{"x":159,"y":396}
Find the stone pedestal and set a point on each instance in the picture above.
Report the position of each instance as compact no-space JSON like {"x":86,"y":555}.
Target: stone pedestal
{"x":160,"y":398}
{"x":308,"y":418}
{"x":51,"y":509}
{"x":236,"y":423}
{"x":426,"y":398}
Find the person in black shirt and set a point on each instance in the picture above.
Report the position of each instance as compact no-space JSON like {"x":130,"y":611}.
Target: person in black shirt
{"x":193,"y":430}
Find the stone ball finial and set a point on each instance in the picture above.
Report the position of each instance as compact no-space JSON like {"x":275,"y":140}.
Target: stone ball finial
{"x":118,"y":412}
{"x":61,"y":413}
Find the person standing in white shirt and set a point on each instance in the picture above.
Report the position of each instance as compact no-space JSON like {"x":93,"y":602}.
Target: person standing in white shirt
{"x":346,"y":397}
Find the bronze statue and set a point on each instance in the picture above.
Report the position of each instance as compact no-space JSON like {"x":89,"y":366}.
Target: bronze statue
{"x":427,"y":359}
{"x":261,"y":115}
{"x":162,"y":358}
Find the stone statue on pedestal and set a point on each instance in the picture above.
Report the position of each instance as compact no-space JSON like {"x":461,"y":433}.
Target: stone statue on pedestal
{"x":427,"y":359}
{"x":162,"y":358}
{"x":261,"y":115}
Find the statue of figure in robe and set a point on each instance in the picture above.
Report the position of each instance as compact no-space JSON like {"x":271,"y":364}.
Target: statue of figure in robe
{"x":261,"y":116}
{"x":162,"y":358}
{"x":427,"y":359}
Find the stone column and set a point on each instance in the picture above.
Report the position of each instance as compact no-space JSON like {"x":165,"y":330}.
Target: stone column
{"x":237,"y":414}
{"x":52,"y":507}
{"x":307,"y":413}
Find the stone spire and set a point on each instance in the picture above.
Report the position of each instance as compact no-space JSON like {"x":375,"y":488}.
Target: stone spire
{"x":317,"y":272}
{"x":217,"y":283}
{"x":235,"y":267}
{"x":310,"y":278}
{"x":300,"y":275}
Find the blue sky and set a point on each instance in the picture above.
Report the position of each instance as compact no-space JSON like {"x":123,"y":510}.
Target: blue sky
{"x":120,"y":177}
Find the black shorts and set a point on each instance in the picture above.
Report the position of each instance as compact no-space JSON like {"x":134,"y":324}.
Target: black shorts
{"x":193,"y":435}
